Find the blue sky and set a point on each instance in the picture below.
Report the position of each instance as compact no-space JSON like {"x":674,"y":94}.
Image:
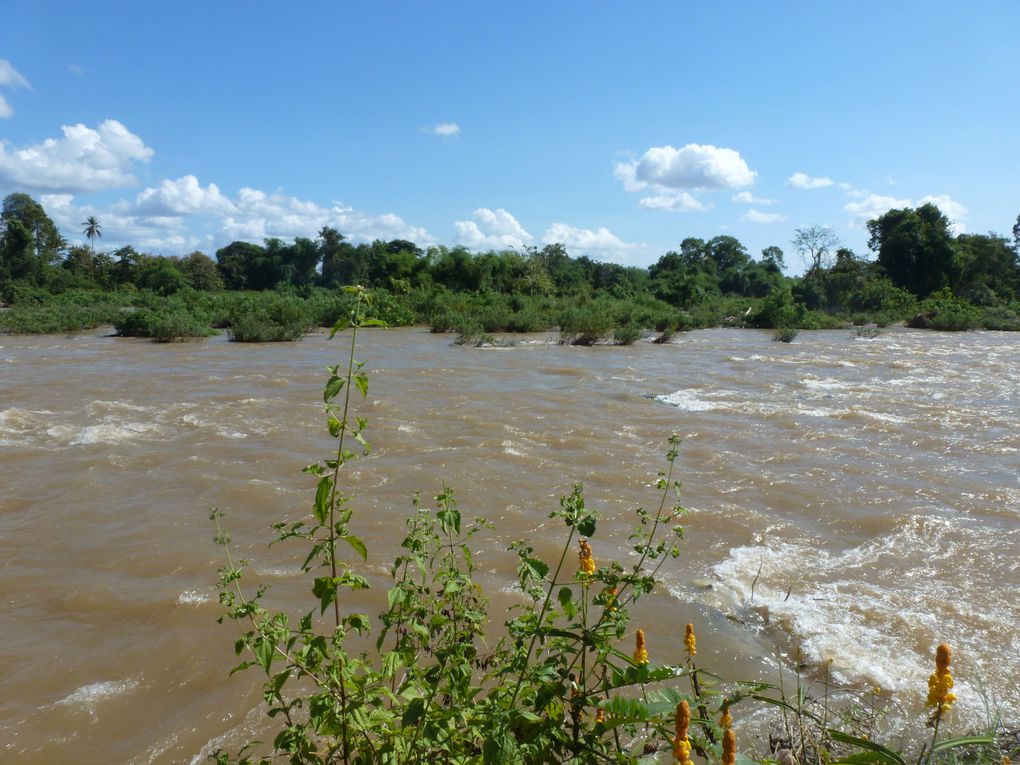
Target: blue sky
{"x":616,"y":128}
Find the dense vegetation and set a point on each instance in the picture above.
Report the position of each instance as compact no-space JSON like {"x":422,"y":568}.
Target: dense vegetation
{"x":278,"y":290}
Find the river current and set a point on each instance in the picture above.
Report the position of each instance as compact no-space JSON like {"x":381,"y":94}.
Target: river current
{"x":855,"y":501}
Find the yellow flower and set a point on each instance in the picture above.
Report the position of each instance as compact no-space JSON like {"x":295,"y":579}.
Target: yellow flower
{"x":940,"y":683}
{"x":600,"y":716}
{"x":726,"y":719}
{"x":584,"y":557}
{"x":690,"y":641}
{"x":729,"y":747}
{"x":681,"y":744}
{"x":640,"y":652}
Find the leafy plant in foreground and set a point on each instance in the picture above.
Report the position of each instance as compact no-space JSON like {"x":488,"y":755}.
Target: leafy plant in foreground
{"x":559,"y":685}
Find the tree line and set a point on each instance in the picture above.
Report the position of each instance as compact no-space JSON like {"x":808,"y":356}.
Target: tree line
{"x":916,"y":256}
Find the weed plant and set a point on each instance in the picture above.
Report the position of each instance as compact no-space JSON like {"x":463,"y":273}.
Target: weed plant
{"x":571,"y":678}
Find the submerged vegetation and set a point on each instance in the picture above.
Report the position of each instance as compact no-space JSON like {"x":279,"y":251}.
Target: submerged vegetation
{"x":566,"y":677}
{"x":921,"y":274}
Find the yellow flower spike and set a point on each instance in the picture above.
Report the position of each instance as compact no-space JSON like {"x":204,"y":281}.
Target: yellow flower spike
{"x":940,"y":683}
{"x":585,"y":559}
{"x":640,"y":652}
{"x":681,"y":744}
{"x":690,"y":641}
{"x":726,"y":719}
{"x":729,"y":747}
{"x":600,"y":716}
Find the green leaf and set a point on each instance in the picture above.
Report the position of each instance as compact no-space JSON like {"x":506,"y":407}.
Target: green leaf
{"x":881,"y":753}
{"x":357,"y":544}
{"x":324,"y":589}
{"x":332,"y":388}
{"x":334,"y":426}
{"x":586,"y":526}
{"x":952,"y":743}
{"x":413,"y":713}
{"x":340,"y":326}
{"x":373,"y":323}
{"x":361,"y":380}
{"x":536,"y":567}
{"x":322,"y":495}
{"x":263,"y":650}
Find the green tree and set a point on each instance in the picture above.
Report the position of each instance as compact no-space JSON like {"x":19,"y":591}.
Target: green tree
{"x":916,"y":249}
{"x":92,"y":228}
{"x":47,"y":243}
{"x":200,"y":271}
{"x":772,"y":258}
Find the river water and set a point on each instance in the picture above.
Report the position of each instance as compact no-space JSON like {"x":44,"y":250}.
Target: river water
{"x":853,"y":500}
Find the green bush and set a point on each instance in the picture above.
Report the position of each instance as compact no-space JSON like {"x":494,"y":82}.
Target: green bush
{"x":627,"y":335}
{"x":584,"y":326}
{"x":269,"y":319}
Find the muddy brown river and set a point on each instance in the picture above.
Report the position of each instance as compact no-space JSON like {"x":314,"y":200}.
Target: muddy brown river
{"x":856,"y":500}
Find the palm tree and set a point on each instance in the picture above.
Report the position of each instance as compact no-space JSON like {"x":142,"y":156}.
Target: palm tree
{"x":92,"y":228}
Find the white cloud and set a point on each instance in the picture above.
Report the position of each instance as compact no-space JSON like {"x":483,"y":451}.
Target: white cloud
{"x":600,"y":243}
{"x":804,"y":181}
{"x":185,"y":196}
{"x":85,"y":159}
{"x":492,"y":229}
{"x":11,"y":77}
{"x":756,"y":216}
{"x":871,"y":206}
{"x":677,"y":202}
{"x":694,"y":166}
{"x":953,"y":210}
{"x":747,"y":198}
{"x":445,"y":129}
{"x":176,"y":216}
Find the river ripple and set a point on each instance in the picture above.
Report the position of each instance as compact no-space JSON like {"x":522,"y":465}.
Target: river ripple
{"x":853,"y":499}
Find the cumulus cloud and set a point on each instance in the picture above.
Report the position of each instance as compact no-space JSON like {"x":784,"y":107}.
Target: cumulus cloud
{"x":756,"y":216}
{"x":747,"y":198}
{"x":178,"y":216}
{"x":600,"y":243}
{"x":871,"y":206}
{"x":85,"y":159}
{"x":953,"y":210}
{"x":805,"y":181}
{"x":676,"y":202}
{"x":445,"y":129}
{"x":694,"y":166}
{"x":492,"y":229}
{"x":257,"y":215}
{"x":185,"y":196}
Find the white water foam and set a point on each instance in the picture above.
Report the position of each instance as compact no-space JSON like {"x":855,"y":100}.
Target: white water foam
{"x":88,"y":696}
{"x":877,"y":610}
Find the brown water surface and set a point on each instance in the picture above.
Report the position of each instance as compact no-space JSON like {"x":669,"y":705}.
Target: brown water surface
{"x":867,"y":488}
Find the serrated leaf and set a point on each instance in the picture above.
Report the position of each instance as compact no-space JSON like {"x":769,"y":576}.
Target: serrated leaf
{"x":333,"y":386}
{"x":334,"y":426}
